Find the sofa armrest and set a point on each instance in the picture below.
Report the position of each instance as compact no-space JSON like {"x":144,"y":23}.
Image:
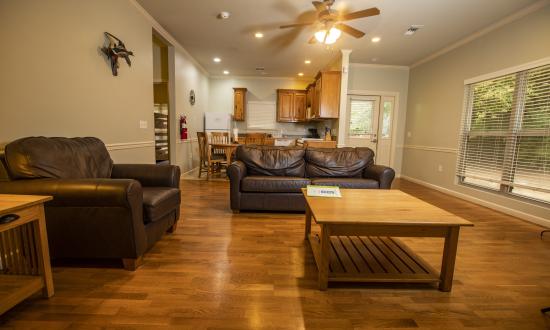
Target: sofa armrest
{"x":149,"y":175}
{"x":80,"y":192}
{"x":383,"y":174}
{"x":236,"y":172}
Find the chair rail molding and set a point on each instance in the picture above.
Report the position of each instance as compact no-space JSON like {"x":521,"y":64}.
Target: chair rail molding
{"x":130,"y":145}
{"x":429,"y":148}
{"x":498,"y":207}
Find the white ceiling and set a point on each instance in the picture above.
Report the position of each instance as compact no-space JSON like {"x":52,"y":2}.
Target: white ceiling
{"x":282,"y":52}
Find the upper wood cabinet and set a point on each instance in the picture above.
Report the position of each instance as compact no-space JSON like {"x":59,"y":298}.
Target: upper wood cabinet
{"x":239,"y":103}
{"x":291,"y":105}
{"x":325,"y":103}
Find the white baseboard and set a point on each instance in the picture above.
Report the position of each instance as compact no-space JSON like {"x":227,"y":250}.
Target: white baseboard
{"x":518,"y":214}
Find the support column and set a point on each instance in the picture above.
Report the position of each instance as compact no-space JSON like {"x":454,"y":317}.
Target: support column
{"x":343,"y":116}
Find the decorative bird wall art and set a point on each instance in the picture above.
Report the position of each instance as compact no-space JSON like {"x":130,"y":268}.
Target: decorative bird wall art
{"x":114,"y":51}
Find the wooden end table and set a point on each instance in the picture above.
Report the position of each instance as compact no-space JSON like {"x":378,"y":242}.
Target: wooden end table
{"x":357,"y":240}
{"x":24,"y":255}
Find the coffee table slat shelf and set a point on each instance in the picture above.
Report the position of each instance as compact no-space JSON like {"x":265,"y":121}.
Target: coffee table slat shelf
{"x":373,"y":259}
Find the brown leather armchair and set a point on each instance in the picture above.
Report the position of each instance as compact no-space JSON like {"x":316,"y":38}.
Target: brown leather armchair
{"x":99,"y":209}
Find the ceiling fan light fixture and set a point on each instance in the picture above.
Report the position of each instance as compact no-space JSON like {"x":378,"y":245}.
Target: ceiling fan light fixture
{"x":333,"y":35}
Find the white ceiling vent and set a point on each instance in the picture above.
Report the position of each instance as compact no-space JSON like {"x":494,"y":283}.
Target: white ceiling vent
{"x":412,"y":29}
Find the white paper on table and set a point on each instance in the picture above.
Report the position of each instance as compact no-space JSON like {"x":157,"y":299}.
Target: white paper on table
{"x":323,"y":191}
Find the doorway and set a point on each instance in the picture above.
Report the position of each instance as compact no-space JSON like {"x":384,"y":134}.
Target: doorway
{"x":370,"y":120}
{"x":161,"y":97}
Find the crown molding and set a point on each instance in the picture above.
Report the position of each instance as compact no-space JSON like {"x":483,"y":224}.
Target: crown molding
{"x":506,"y":20}
{"x":229,"y":77}
{"x":166,"y":35}
{"x":380,"y":66}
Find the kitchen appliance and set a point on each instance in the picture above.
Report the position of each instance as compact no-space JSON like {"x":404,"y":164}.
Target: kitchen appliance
{"x":217,"y":122}
{"x":313,"y":133}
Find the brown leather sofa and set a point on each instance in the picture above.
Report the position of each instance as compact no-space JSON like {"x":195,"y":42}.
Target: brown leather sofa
{"x":271,"y":178}
{"x":99,"y":209}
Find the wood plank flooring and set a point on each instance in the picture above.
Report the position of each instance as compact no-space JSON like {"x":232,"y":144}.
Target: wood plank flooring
{"x":255,"y":271}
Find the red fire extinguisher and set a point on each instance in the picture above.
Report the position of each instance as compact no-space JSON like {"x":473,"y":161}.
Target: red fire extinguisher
{"x":183,"y":128}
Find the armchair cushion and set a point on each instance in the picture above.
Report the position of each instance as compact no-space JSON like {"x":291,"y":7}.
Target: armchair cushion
{"x":57,"y":157}
{"x":158,"y":202}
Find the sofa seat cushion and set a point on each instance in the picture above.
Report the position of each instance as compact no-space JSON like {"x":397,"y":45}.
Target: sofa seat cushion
{"x":273,"y":184}
{"x":159,"y":201}
{"x":350,"y":183}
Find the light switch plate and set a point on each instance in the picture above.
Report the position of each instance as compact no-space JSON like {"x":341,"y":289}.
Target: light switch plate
{"x":143,"y":124}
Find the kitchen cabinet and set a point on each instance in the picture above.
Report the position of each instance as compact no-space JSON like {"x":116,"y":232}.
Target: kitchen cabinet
{"x":239,"y":103}
{"x":325,"y":103}
{"x":291,"y":105}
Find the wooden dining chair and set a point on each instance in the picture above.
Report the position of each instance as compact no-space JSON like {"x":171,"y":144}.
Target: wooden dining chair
{"x":255,"y":138}
{"x":219,"y":137}
{"x":209,"y":162}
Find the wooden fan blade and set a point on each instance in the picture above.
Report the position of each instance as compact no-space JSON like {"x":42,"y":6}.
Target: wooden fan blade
{"x":296,"y":25}
{"x":349,"y":30}
{"x":312,"y":40}
{"x":319,"y":5}
{"x":360,"y":14}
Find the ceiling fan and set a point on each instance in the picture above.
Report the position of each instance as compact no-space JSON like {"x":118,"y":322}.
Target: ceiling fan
{"x":331,"y":22}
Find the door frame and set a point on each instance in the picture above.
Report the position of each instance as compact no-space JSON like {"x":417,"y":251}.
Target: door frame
{"x":395,"y":119}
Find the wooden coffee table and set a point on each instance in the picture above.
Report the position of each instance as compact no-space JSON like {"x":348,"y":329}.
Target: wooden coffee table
{"x":357,"y":244}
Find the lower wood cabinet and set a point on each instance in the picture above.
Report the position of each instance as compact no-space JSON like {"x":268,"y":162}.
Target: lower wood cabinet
{"x":291,"y":105}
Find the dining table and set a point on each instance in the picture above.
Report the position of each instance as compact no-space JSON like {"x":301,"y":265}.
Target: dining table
{"x":228,"y":148}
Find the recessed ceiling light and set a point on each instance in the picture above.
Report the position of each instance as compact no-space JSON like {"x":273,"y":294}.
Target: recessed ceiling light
{"x":217,"y":59}
{"x":376,"y":39}
{"x":225,"y":72}
{"x":307,"y":61}
{"x":258,"y":35}
{"x":301,"y":74}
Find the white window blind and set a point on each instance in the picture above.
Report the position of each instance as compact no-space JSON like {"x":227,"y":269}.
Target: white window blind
{"x":505,"y":134}
{"x":261,"y":115}
{"x":361,"y":113}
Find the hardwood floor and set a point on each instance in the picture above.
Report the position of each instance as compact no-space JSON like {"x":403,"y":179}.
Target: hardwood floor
{"x":221,"y":270}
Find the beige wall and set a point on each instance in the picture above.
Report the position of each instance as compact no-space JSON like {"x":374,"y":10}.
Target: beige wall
{"x":259,"y":89}
{"x":380,"y":78}
{"x":435,"y":104}
{"x":56,"y":82}
{"x":188,"y":76}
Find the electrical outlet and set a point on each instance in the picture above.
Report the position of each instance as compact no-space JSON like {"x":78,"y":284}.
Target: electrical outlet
{"x":143,"y":124}
{"x":440,"y":168}
{"x":409,"y":134}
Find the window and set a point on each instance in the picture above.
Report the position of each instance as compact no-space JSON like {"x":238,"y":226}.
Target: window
{"x":386,"y":118}
{"x":362,"y":115}
{"x":505,"y":134}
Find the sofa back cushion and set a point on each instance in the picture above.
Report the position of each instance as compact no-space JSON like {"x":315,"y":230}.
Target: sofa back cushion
{"x":57,"y":157}
{"x":337,"y":162}
{"x":275,"y":161}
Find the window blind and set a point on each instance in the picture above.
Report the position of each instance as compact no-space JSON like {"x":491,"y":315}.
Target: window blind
{"x":361,"y":113}
{"x":261,"y":115}
{"x":505,"y":134}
